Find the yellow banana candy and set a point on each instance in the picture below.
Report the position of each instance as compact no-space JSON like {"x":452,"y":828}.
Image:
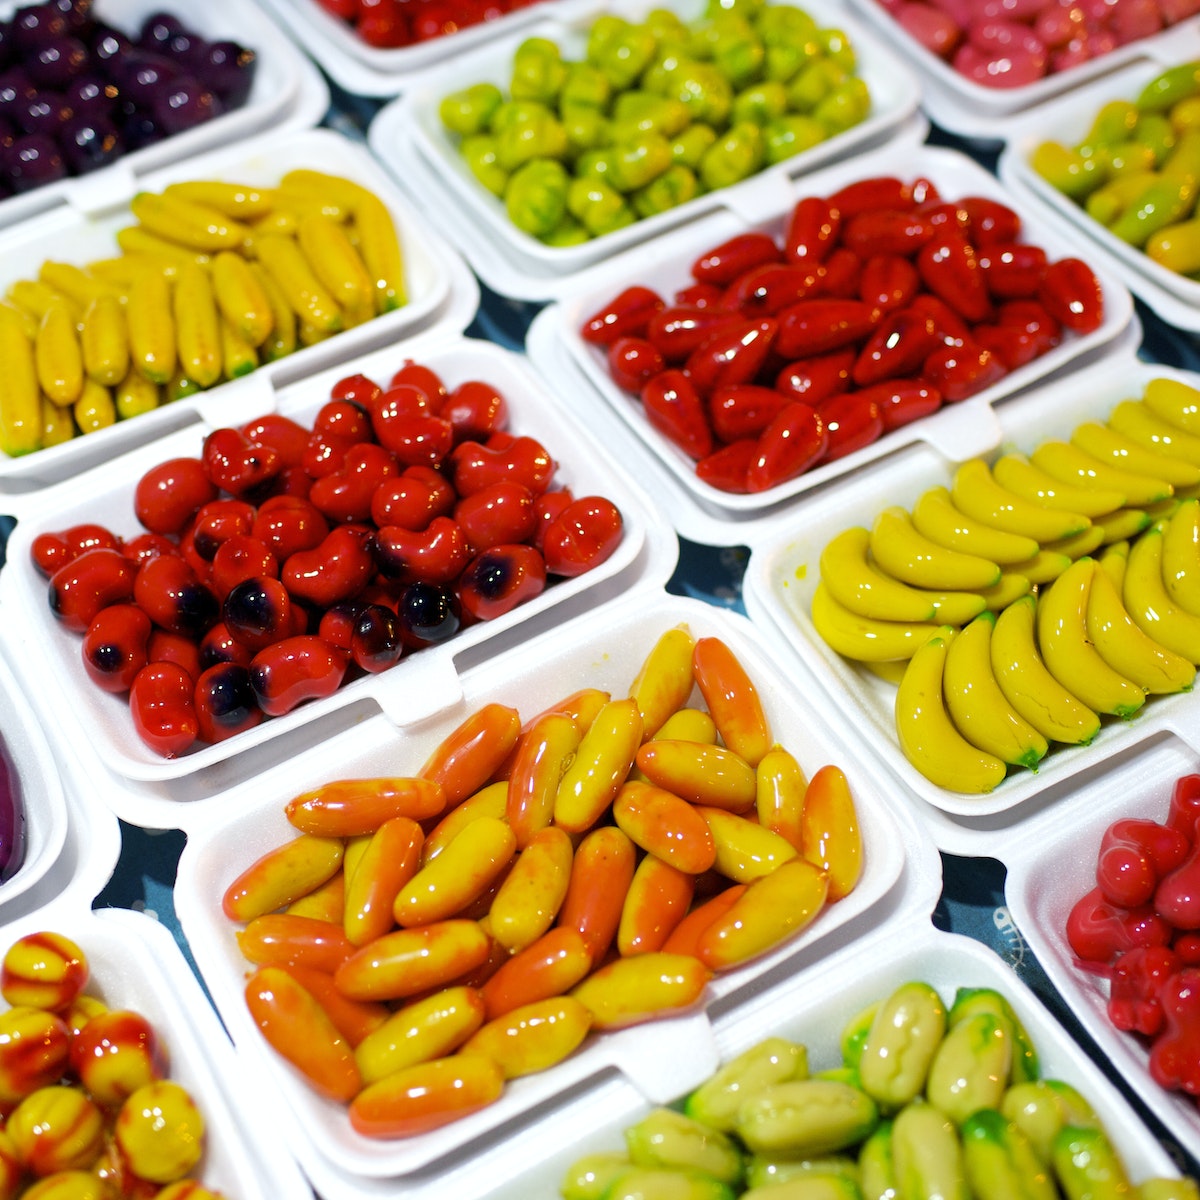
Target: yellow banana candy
{"x":95,"y":409}
{"x":856,"y":583}
{"x":1126,"y":648}
{"x":141,"y":243}
{"x":151,"y":327}
{"x":197,"y":325}
{"x":935,"y":517}
{"x":26,"y":321}
{"x":35,"y":297}
{"x":241,"y":297}
{"x":322,"y":187}
{"x":906,"y":554}
{"x":1044,"y":567}
{"x":927,"y":735}
{"x":1113,"y":562}
{"x":335,"y":261}
{"x":379,"y":244}
{"x":1148,"y":602}
{"x":1107,"y":443}
{"x":1012,"y":586}
{"x":1078,"y":546}
{"x":865,"y":639}
{"x":1068,"y":652}
{"x":1070,"y":463}
{"x":1123,"y":524}
{"x":1023,"y":677}
{"x":104,"y":337}
{"x":979,"y":709}
{"x":59,"y":356}
{"x":975,"y":492}
{"x":79,"y":286}
{"x":1141,"y":425}
{"x":1181,"y":556}
{"x":20,"y":396}
{"x":187,"y":223}
{"x":1018,"y":474}
{"x":238,"y":200}
{"x":282,"y":339}
{"x":304,"y":292}
{"x":1176,"y":402}
{"x":57,"y":423}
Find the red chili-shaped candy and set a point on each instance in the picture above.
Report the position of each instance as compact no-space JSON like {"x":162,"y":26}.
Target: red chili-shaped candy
{"x":674,"y":407}
{"x":742,"y":252}
{"x":627,"y":313}
{"x":947,"y":215}
{"x":1071,"y":293}
{"x":764,"y":291}
{"x":843,"y":274}
{"x":287,"y":524}
{"x":436,"y":554}
{"x":296,"y":669}
{"x":888,"y":281}
{"x":582,"y":536}
{"x":346,"y":494}
{"x":794,"y":440}
{"x":337,"y":569}
{"x":502,"y":512}
{"x":114,"y":646}
{"x":878,"y":192}
{"x":168,"y":495}
{"x":744,"y":409}
{"x":735,"y":356}
{"x":817,"y":377}
{"x":1012,"y":270}
{"x":522,"y":459}
{"x":990,"y":221}
{"x":235,"y":464}
{"x":1012,"y":345}
{"x":728,"y":468}
{"x":50,"y":551}
{"x":678,"y":331}
{"x":499,"y":579}
{"x":89,"y":583}
{"x":901,"y":343}
{"x":852,"y":421}
{"x":902,"y":400}
{"x":949,"y":267}
{"x":961,"y":371}
{"x":167,"y":590}
{"x":887,"y":231}
{"x":950,"y":327}
{"x":475,"y":411}
{"x":163,"y":710}
{"x":1097,"y":930}
{"x":818,"y":326}
{"x":286,"y":437}
{"x":698,"y":295}
{"x":813,"y":230}
{"x":632,"y":361}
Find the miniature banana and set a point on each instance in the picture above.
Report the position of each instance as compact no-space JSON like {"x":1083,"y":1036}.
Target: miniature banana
{"x":58,"y":425}
{"x":856,"y":583}
{"x":1078,"y":546}
{"x":233,"y":199}
{"x":187,"y":223}
{"x":20,"y":396}
{"x":335,"y":262}
{"x":1141,"y":425}
{"x":935,"y":517}
{"x":1012,"y":586}
{"x":906,"y":554}
{"x":1068,"y":652}
{"x":1070,"y":463}
{"x":927,"y":735}
{"x":34,"y":297}
{"x":141,"y":243}
{"x":76,"y":283}
{"x":1110,"y":445}
{"x":1044,"y":567}
{"x":1030,"y":688}
{"x":1176,"y":402}
{"x":1150,"y":605}
{"x":975,"y":492}
{"x":135,"y":394}
{"x":863,"y":638}
{"x":306,"y":295}
{"x":151,"y":327}
{"x":282,"y":340}
{"x":197,"y":325}
{"x":1112,"y":563}
{"x":379,"y":244}
{"x":95,"y":409}
{"x":59,"y":356}
{"x":1123,"y":524}
{"x":104,"y":338}
{"x":1018,"y":474}
{"x":241,"y":297}
{"x":1126,"y":648}
{"x":238,"y":357}
{"x":1181,"y":556}
{"x":979,"y":709}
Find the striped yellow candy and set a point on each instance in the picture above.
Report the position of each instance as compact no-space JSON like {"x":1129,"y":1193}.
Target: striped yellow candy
{"x":95,"y":409}
{"x":20,"y":396}
{"x":241,"y":298}
{"x":151,"y":326}
{"x":335,"y":261}
{"x":59,"y":356}
{"x":304,"y":292}
{"x":197,"y":325}
{"x":104,"y":337}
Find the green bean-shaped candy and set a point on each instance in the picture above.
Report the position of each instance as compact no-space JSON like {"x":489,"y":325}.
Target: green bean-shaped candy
{"x":1161,"y":203}
{"x":786,"y":60}
{"x":876,"y":1166}
{"x":636,"y":112}
{"x":626,"y":55}
{"x":1000,"y":1161}
{"x":750,"y":9}
{"x":1155,"y":131}
{"x":1184,"y":160}
{"x":1168,"y":1189}
{"x":971,"y":1066}
{"x":781,"y":25}
{"x":927,"y":1154}
{"x":969,"y":1000}
{"x":706,"y":92}
{"x":1167,"y":88}
{"x":688,"y":148}
{"x":806,"y":1117}
{"x":585,"y":85}
{"x":1041,"y":1108}
{"x":836,"y":45}
{"x":1114,"y":121}
{"x":814,"y":1187}
{"x":666,"y":25}
{"x":666,"y":1138}
{"x":840,"y":1075}
{"x":538,"y":71}
{"x":740,"y":56}
{"x":568,"y":232}
{"x":773,"y":1060}
{"x":736,"y":155}
{"x":589,"y":1177}
{"x":1107,"y":203}
{"x":854,"y":1035}
{"x":1087,"y":1165}
{"x":1066,"y":170}
{"x":536,"y":199}
{"x":846,"y":106}
{"x":765,"y":1171}
{"x":541,"y":136}
{"x":586,"y":128}
{"x":657,"y":1183}
{"x":904,"y":1036}
{"x":470,"y":110}
{"x":813,"y":84}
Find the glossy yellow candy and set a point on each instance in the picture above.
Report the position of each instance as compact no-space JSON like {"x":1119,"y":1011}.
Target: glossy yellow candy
{"x":160,"y":1131}
{"x":630,"y":990}
{"x":533,"y":1037}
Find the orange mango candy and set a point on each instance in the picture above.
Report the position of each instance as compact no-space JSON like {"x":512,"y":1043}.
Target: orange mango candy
{"x":699,"y":772}
{"x":426,"y":1096}
{"x":830,"y":836}
{"x":780,"y":787}
{"x":542,"y":756}
{"x":56,"y":1129}
{"x":43,"y":970}
{"x":664,"y":680}
{"x":743,"y":849}
{"x":732,"y":699}
{"x":408,"y":961}
{"x":666,"y":826}
{"x":351,"y":807}
{"x":685,"y":937}
{"x":489,"y":801}
{"x":281,"y":875}
{"x":298,"y":1028}
{"x":326,"y":902}
{"x":284,"y":939}
{"x":468,"y":756}
{"x":602,"y":763}
{"x":551,"y":966}
{"x":528,"y":900}
{"x":601,"y":873}
{"x":34,"y":1049}
{"x":445,"y":885}
{"x":353,"y":1019}
{"x":657,"y":900}
{"x":389,"y":860}
{"x":533,"y":1037}
{"x":582,"y":707}
{"x":425,"y":1029}
{"x":114,"y":1054}
{"x":12,"y":1174}
{"x":628,"y":991}
{"x":771,"y":909}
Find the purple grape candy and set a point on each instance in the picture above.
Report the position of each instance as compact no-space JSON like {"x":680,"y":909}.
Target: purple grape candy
{"x":139,"y":128}
{"x":91,"y":93}
{"x":184,"y":103}
{"x":108,"y":45}
{"x":8,"y":44}
{"x":56,"y":62}
{"x":42,"y":113}
{"x":12,"y":817}
{"x":76,"y":13}
{"x":32,"y":161}
{"x":229,"y":69}
{"x":142,"y":75}
{"x":16,"y":89}
{"x":89,"y":142}
{"x":36,"y":24}
{"x":158,"y":29}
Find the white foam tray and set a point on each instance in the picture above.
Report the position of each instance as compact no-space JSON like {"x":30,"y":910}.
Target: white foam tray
{"x":48,"y":661}
{"x":408,"y":137}
{"x":983,"y":114}
{"x":602,"y":649}
{"x":441,"y":292}
{"x":956,"y":431}
{"x":366,"y":70}
{"x":1052,"y":863}
{"x":783,"y":572}
{"x":288,"y":93}
{"x":1173,"y":297}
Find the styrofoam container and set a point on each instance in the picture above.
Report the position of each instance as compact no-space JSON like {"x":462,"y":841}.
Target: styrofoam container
{"x":367,"y":70}
{"x":1052,"y":864}
{"x":783,"y":572}
{"x":42,"y":798}
{"x":288,"y":93}
{"x":441,"y":290}
{"x":957,"y":431}
{"x":47,"y":658}
{"x":981,"y":113}
{"x":1174,"y":297}
{"x":409,"y":138}
{"x":603,"y":649}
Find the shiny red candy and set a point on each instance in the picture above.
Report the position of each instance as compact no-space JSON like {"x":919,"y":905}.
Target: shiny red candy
{"x":168,"y":592}
{"x":336,"y":570}
{"x":436,"y":554}
{"x":257,"y":612}
{"x":502,"y":512}
{"x":499,"y":579}
{"x":675,"y":408}
{"x":235,"y":464}
{"x":89,"y":583}
{"x":286,"y":673}
{"x":585,"y":533}
{"x":53,"y":550}
{"x":792,"y":442}
{"x":628,"y":314}
{"x":732,"y":259}
{"x":225,"y":702}
{"x":475,"y":410}
{"x":634,"y":360}
{"x":1071,"y":293}
{"x":114,"y":646}
{"x":163,"y":708}
{"x":168,"y":495}
{"x":523,"y":459}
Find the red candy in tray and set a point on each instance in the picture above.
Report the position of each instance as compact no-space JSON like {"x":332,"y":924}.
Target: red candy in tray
{"x":879,"y":304}
{"x":284,"y":561}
